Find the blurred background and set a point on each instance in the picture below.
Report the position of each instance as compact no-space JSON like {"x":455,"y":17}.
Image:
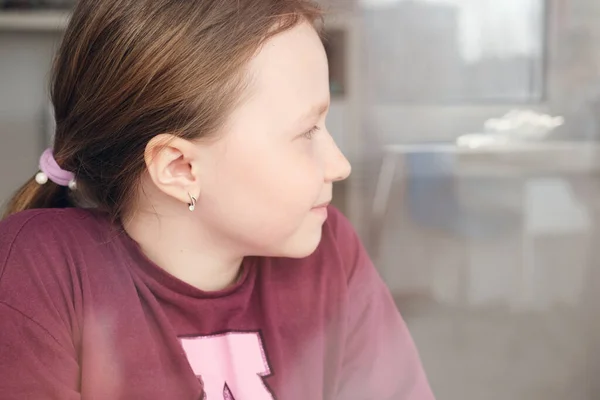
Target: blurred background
{"x":473,"y":127}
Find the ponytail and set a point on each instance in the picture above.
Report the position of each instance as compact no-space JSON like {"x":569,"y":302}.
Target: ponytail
{"x":33,"y":195}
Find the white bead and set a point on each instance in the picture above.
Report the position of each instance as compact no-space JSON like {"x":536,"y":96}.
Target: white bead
{"x":73,"y":185}
{"x":41,"y":178}
{"x":192,"y":207}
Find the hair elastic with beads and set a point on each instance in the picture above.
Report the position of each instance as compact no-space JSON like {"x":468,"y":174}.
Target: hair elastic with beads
{"x":50,"y":170}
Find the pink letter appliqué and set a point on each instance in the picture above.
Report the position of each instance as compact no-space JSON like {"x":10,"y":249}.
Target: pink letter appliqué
{"x":233,"y":362}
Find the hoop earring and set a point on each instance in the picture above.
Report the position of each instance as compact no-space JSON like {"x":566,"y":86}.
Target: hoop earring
{"x":192,"y":204}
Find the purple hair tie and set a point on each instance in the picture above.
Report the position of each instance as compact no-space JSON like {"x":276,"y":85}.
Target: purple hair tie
{"x":51,"y":170}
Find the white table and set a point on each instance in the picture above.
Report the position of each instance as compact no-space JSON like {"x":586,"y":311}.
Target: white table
{"x":518,"y":159}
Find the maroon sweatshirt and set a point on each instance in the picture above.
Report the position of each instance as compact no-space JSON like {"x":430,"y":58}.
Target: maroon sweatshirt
{"x":85,"y":315}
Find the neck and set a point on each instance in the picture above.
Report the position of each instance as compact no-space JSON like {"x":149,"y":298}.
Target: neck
{"x":184,"y":251}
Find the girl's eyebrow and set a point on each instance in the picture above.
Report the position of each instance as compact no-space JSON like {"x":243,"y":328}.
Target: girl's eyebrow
{"x":315,"y":111}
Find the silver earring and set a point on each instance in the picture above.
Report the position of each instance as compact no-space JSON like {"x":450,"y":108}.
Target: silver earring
{"x":192,"y":204}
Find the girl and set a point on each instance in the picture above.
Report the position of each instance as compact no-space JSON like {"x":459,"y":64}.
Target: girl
{"x":178,"y":242}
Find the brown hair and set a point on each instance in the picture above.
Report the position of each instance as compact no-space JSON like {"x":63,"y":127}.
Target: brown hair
{"x":127,"y":71}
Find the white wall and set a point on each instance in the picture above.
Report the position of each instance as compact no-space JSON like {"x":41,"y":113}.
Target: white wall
{"x":24,"y":69}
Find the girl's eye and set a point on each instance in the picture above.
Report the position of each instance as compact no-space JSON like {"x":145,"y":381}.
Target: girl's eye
{"x":309,"y":135}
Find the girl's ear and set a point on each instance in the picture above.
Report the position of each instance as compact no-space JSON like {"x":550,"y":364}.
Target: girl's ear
{"x":173,"y":166}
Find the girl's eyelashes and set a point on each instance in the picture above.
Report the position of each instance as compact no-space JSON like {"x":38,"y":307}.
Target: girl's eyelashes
{"x":309,"y":134}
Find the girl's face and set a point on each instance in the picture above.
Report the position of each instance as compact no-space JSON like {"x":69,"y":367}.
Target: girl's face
{"x":275,"y":162}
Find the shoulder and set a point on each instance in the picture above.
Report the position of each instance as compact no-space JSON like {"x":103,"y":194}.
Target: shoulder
{"x":49,"y":225}
{"x":338,"y":232}
{"x":336,"y":220}
{"x":341,"y":242}
{"x":44,"y":244}
{"x":41,"y":216}
{"x":337,"y":258}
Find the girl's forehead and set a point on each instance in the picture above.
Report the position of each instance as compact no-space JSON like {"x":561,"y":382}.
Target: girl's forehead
{"x":290,"y":69}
